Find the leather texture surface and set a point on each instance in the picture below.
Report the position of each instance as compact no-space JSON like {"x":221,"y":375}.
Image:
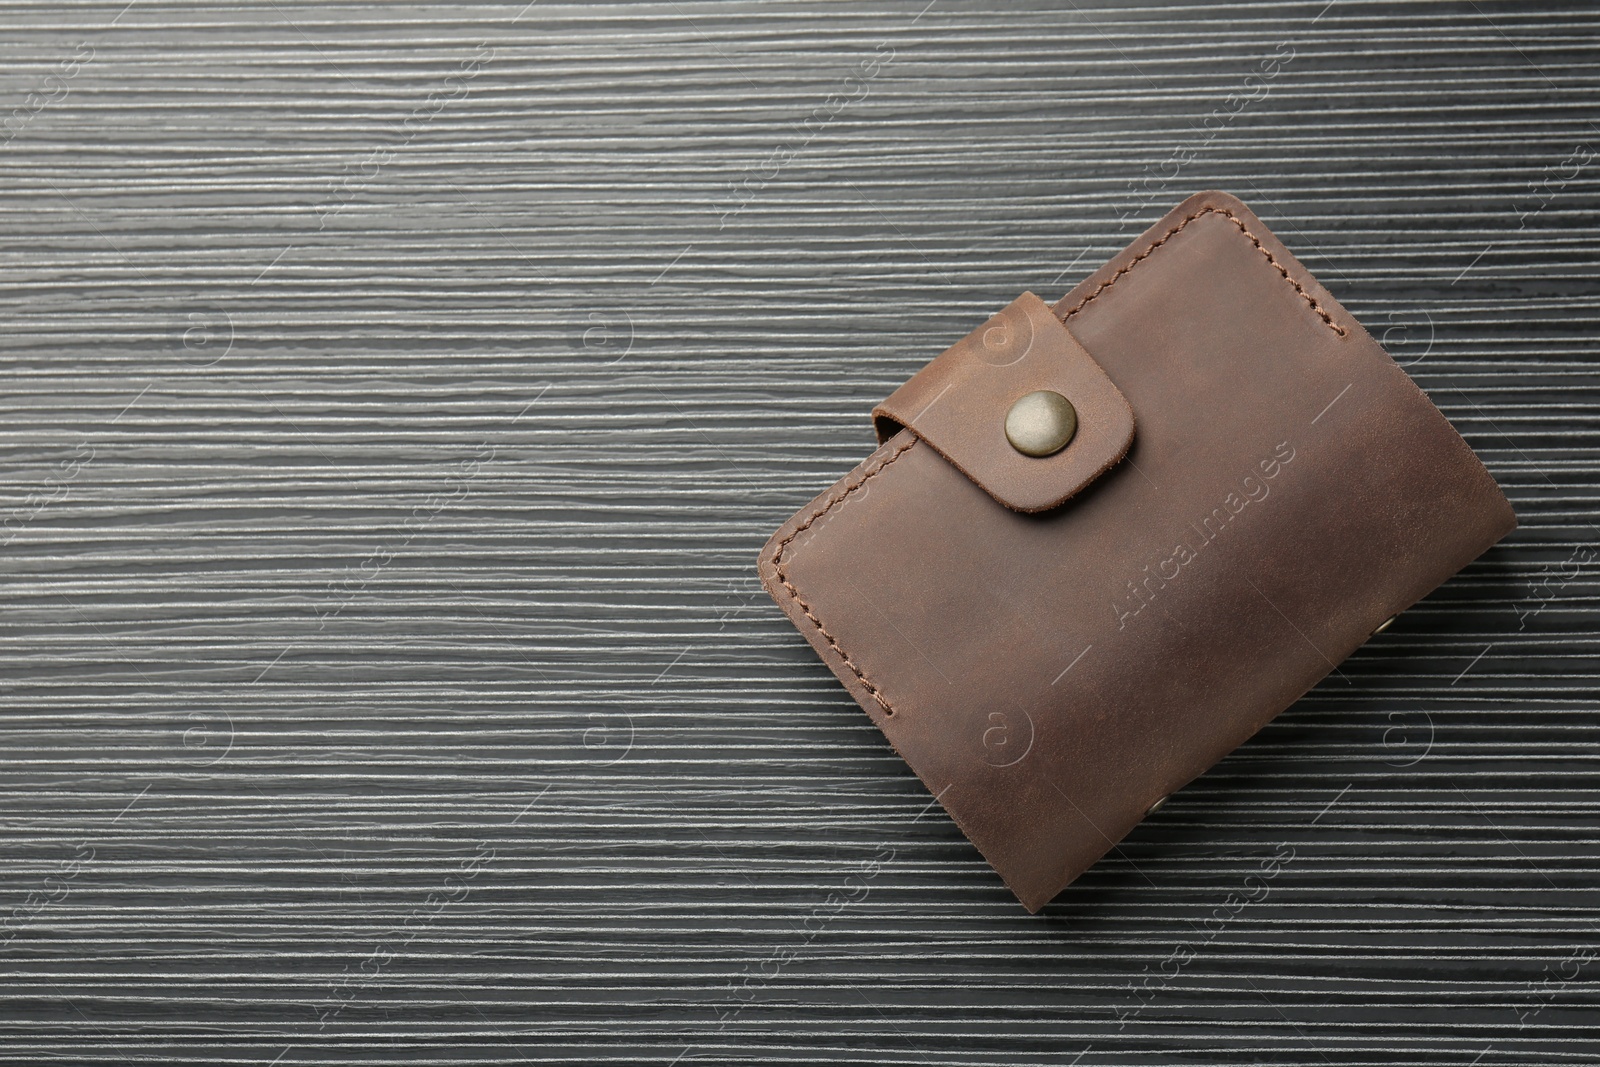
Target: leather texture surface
{"x":1052,"y":676}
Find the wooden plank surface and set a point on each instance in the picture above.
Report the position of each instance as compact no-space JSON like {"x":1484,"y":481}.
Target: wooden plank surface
{"x":393,"y":399}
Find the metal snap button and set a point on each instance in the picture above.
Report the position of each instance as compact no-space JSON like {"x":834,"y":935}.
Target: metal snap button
{"x":1386,"y":624}
{"x":1041,"y":423}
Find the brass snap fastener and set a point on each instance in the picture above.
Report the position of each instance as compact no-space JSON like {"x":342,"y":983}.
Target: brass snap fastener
{"x":1386,"y":624}
{"x":1152,"y":809}
{"x":1041,"y":423}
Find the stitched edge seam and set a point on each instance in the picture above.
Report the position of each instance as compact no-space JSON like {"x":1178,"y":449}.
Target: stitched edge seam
{"x":777,"y":563}
{"x":1164,"y":238}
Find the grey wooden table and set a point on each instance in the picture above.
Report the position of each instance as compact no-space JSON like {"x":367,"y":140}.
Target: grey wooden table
{"x":393,"y":399}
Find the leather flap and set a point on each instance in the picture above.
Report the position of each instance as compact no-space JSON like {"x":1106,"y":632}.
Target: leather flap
{"x":959,"y":402}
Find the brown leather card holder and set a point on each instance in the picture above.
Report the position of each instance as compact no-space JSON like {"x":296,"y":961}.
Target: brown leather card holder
{"x":1103,"y":543}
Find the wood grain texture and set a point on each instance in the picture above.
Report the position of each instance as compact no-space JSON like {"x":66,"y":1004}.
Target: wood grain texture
{"x":393,"y":399}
